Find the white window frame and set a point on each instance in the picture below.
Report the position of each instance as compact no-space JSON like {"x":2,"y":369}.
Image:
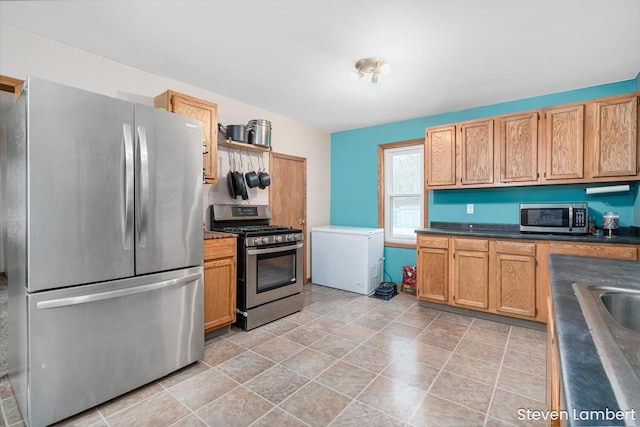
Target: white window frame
{"x":387,"y":154}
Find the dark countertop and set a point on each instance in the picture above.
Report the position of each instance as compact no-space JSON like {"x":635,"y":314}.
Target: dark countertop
{"x":584,"y":381}
{"x":626,"y":235}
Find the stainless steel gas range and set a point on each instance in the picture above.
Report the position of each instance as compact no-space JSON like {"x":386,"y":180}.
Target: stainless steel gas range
{"x":270,"y":263}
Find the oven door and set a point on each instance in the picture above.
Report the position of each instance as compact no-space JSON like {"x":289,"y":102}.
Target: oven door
{"x":273,"y":273}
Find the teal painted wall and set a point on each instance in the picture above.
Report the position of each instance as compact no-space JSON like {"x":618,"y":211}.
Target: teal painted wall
{"x":354,"y":175}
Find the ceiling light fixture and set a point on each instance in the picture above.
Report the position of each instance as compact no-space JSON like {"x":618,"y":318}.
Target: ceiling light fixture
{"x":375,"y":66}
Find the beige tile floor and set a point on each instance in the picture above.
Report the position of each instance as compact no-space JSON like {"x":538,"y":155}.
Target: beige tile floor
{"x":346,"y":359}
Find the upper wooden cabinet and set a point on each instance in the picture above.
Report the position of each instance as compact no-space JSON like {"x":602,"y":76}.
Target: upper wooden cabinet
{"x":615,"y":141}
{"x":476,"y":152}
{"x":460,"y":154}
{"x":518,"y":139}
{"x":207,"y":113}
{"x":564,"y":142}
{"x":441,"y":156}
{"x":583,"y":142}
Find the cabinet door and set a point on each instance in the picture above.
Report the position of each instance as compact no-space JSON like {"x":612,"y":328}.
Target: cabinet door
{"x":207,"y":113}
{"x":564,"y":132}
{"x":516,"y":284}
{"x":471,"y":279}
{"x":441,"y":156}
{"x":433,"y":272}
{"x":476,"y":152}
{"x":219,"y":293}
{"x":615,"y":140}
{"x":519,"y":148}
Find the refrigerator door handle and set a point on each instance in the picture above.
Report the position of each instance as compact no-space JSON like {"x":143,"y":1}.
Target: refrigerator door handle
{"x":64,"y":302}
{"x":144,"y":187}
{"x":127,"y":226}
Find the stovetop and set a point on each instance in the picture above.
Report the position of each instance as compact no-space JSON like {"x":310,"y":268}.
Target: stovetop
{"x":254,"y":229}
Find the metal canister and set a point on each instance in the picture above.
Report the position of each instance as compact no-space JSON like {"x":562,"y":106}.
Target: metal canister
{"x":259,"y":132}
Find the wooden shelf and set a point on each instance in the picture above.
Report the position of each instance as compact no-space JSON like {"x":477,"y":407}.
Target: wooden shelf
{"x":240,"y":146}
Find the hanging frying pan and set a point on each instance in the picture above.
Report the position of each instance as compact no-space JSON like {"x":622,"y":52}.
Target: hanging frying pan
{"x":238,"y":179}
{"x":243,"y":186}
{"x":230,"y":180}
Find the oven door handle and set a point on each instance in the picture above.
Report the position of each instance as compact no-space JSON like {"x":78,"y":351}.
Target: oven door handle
{"x":272,"y":250}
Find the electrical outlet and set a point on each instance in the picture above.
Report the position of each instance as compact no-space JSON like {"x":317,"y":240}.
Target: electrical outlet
{"x":470,"y":208}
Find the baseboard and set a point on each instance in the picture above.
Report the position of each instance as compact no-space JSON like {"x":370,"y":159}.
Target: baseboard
{"x":487,"y":316}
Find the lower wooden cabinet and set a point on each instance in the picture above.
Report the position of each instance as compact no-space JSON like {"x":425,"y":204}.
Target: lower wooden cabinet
{"x":219,"y":282}
{"x":506,"y":277}
{"x":515,"y":275}
{"x":433,"y":269}
{"x":471,"y":273}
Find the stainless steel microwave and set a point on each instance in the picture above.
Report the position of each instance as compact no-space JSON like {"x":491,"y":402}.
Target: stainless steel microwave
{"x":571,"y":218}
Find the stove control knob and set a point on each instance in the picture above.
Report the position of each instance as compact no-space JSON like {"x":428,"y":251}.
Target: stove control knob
{"x":277,"y":239}
{"x":265,"y":240}
{"x":290,"y":237}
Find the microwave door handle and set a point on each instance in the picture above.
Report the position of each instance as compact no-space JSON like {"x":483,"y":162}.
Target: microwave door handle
{"x":570,"y":218}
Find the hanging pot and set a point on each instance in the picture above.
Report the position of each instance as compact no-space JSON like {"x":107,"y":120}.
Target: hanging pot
{"x":236,"y":133}
{"x":265,"y":179}
{"x":251,"y":177}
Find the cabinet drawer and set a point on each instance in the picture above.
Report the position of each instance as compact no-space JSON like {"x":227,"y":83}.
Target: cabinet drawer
{"x":471,"y":244}
{"x":433,"y":242}
{"x":219,"y":248}
{"x":599,"y":251}
{"x":519,"y":248}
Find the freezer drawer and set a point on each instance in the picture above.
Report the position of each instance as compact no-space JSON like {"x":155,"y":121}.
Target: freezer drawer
{"x":91,"y":343}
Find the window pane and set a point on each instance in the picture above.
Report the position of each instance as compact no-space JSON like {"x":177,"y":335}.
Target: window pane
{"x":405,"y":216}
{"x":407,"y":173}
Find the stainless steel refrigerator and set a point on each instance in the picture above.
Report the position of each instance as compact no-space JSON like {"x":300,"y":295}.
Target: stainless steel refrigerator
{"x":104,"y":221}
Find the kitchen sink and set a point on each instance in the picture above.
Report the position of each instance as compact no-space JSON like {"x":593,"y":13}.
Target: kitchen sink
{"x":624,"y":307}
{"x":613,"y":316}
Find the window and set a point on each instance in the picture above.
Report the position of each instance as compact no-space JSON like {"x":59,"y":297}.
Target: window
{"x":402,"y":190}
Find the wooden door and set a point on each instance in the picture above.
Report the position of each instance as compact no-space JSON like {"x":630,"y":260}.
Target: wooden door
{"x":440,"y":153}
{"x":219,"y":293}
{"x":519,"y":148}
{"x":516,"y":284}
{"x":288,"y":194}
{"x":564,"y":133}
{"x":433,"y":275}
{"x":476,"y":152}
{"x":616,"y":138}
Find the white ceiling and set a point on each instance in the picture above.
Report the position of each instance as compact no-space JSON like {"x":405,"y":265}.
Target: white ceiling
{"x":293,"y":57}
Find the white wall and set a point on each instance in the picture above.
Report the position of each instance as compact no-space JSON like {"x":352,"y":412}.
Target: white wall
{"x":23,"y":53}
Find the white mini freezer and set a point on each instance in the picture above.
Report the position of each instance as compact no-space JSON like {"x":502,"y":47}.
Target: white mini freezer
{"x":348,"y":258}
